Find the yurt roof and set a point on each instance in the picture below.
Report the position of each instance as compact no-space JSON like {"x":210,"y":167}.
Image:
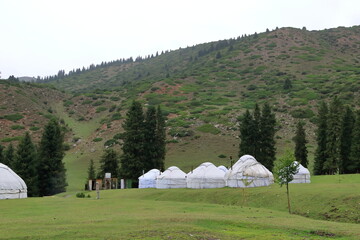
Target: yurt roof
{"x":223,"y":168}
{"x":302,"y":169}
{"x":152,"y":174}
{"x":9,"y":180}
{"x":206,"y":170}
{"x":248,"y":166}
{"x":172,"y":172}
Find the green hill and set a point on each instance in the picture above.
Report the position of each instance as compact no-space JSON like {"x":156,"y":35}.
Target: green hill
{"x":203,"y":90}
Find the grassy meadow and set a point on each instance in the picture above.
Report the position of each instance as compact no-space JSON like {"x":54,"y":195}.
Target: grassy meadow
{"x":256,"y":213}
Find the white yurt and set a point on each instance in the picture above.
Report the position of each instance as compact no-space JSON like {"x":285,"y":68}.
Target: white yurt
{"x":223,"y":168}
{"x":173,"y":177}
{"x":247,"y":172}
{"x":148,"y":180}
{"x":207,"y":175}
{"x":302,"y":176}
{"x":11,"y":185}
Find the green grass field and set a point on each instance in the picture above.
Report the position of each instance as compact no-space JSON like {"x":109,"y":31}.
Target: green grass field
{"x":191,"y":214}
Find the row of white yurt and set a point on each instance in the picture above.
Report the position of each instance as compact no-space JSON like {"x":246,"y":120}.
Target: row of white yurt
{"x":11,"y":185}
{"x":207,"y":175}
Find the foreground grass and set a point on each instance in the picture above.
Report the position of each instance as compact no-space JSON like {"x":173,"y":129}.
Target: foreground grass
{"x":123,"y":214}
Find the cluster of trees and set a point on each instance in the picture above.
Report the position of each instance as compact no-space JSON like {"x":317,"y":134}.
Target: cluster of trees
{"x":257,"y":132}
{"x":41,"y":166}
{"x":338,"y":139}
{"x":143,"y":148}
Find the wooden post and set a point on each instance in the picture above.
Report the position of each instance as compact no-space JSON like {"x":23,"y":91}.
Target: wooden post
{"x":97,"y":191}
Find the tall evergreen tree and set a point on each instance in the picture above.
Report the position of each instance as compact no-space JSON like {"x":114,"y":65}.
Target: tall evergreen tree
{"x":256,"y":132}
{"x":300,"y":145}
{"x":2,"y":157}
{"x":348,"y":121}
{"x":267,"y":135}
{"x":332,"y":162}
{"x":150,"y":143}
{"x":9,"y":156}
{"x":109,"y":163}
{"x":52,"y":172}
{"x":160,"y":140}
{"x":26,"y":164}
{"x":321,"y":138}
{"x":132,"y":158}
{"x":354,"y":162}
{"x":91,"y":170}
{"x":246,"y":135}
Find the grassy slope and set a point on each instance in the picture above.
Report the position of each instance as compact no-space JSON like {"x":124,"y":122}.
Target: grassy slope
{"x":183,"y":214}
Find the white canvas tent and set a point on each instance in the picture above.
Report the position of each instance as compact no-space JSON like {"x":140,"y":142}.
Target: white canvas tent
{"x":148,"y":180}
{"x":173,"y":177}
{"x":223,"y":168}
{"x":207,"y":175}
{"x":11,"y":185}
{"x":303,"y":175}
{"x":247,"y":172}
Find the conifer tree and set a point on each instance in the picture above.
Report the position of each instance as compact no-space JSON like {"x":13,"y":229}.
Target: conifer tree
{"x":348,"y":121}
{"x":9,"y":156}
{"x":109,"y":163}
{"x":354,"y":162}
{"x":267,"y":135}
{"x":132,"y":158}
{"x":256,"y":132}
{"x":150,"y":143}
{"x":91,"y":170}
{"x":2,"y":157}
{"x":321,"y":139}
{"x":160,"y":140}
{"x":52,"y":172}
{"x":332,"y":162}
{"x":26,"y":164}
{"x":300,"y":145}
{"x":246,"y":137}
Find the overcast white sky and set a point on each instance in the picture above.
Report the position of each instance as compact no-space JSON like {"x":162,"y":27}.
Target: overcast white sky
{"x":40,"y":37}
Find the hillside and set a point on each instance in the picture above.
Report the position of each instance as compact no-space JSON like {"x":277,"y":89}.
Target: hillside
{"x":203,"y":90}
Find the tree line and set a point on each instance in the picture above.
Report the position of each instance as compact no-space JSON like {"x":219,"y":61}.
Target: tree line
{"x":143,"y":148}
{"x":40,"y":166}
{"x":338,"y":139}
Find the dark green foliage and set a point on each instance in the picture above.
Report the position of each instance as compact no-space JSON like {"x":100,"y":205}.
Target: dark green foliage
{"x":2,"y":157}
{"x":300,"y":145}
{"x":160,"y":140}
{"x":14,"y":117}
{"x":110,"y":143}
{"x":246,"y":135}
{"x":109,"y":163}
{"x":52,"y":172}
{"x":132,"y":160}
{"x":91,"y":170}
{"x":267,"y":136}
{"x":354,"y":165}
{"x":9,"y":156}
{"x":287,"y":84}
{"x":208,"y":128}
{"x":321,"y":138}
{"x":26,"y":164}
{"x":348,"y":121}
{"x":150,"y":145}
{"x":332,"y":162}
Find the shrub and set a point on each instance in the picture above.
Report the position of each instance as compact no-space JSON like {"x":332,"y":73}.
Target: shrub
{"x":116,"y":116}
{"x":34,"y":128}
{"x":17,"y":127}
{"x":10,"y":139}
{"x":302,"y":113}
{"x":67,"y":103}
{"x":13,"y":117}
{"x":100,"y":109}
{"x":80,"y":195}
{"x":110,"y":143}
{"x":222,"y":156}
{"x":208,"y":128}
{"x":97,"y":139}
{"x":118,"y":136}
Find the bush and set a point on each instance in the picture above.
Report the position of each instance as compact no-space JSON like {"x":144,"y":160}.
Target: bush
{"x":17,"y":127}
{"x":97,"y":139}
{"x":302,"y":113}
{"x":100,"y":109}
{"x":222,"y":156}
{"x":208,"y":128}
{"x":80,"y":195}
{"x":13,"y":117}
{"x":34,"y":128}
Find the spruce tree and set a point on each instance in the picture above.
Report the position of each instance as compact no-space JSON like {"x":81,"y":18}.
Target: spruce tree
{"x":160,"y":140}
{"x":132,"y":159}
{"x":150,"y":143}
{"x":26,"y":164}
{"x":267,"y":135}
{"x":9,"y":156}
{"x":256,"y":132}
{"x":52,"y":172}
{"x":348,"y":121}
{"x":2,"y":157}
{"x":321,"y":139}
{"x":246,"y":137}
{"x":300,"y":145}
{"x":91,"y":170}
{"x":109,"y":163}
{"x":354,"y":161}
{"x":332,"y":162}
